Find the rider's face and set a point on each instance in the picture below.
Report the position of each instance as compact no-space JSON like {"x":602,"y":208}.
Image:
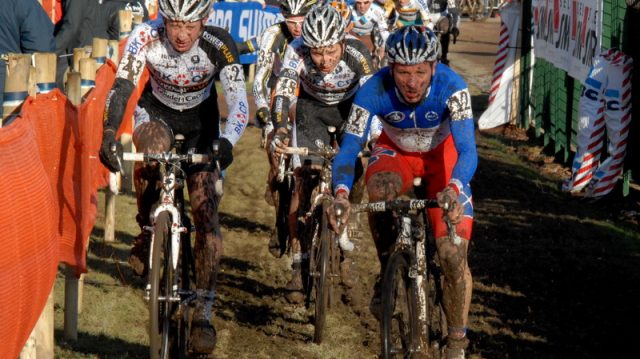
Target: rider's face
{"x":326,"y":58}
{"x":412,"y":81}
{"x":182,"y":35}
{"x":294,"y":24}
{"x":362,"y":6}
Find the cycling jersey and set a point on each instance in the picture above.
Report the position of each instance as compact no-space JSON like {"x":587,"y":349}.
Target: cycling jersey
{"x":444,"y":112}
{"x":413,"y":12}
{"x":353,"y":69}
{"x":374,"y":17}
{"x":272,"y":44}
{"x":181,"y":81}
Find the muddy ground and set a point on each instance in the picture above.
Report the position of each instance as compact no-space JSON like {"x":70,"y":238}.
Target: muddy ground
{"x":554,"y":276}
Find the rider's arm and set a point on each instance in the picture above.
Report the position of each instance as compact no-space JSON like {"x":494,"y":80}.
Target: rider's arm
{"x":355,"y":136}
{"x":225,"y":55}
{"x":423,"y":7}
{"x":287,"y":84}
{"x":128,"y":74}
{"x":247,"y":47}
{"x":463,"y":132}
{"x":264,"y":66}
{"x":380,"y":18}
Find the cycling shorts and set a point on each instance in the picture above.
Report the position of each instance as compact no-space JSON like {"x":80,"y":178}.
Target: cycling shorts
{"x":312,"y":119}
{"x":200,"y":125}
{"x":434,"y":167}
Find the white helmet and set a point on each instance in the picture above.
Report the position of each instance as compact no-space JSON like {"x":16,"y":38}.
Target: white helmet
{"x":296,"y":7}
{"x":411,"y":45}
{"x":185,"y":10}
{"x":323,"y":26}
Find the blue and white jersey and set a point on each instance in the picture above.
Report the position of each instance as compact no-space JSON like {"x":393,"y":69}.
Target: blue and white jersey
{"x":445,"y":110}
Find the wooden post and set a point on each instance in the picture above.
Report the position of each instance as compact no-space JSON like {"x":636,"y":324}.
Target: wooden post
{"x":72,"y":285}
{"x":125,"y":20}
{"x":114,"y":51}
{"x":100,"y":49}
{"x":16,"y":84}
{"x":45,"y":71}
{"x":87,"y":75}
{"x":137,"y":20}
{"x":40,"y":344}
{"x":71,"y":294}
{"x":79,"y":54}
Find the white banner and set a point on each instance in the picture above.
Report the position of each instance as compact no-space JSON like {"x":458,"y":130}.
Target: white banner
{"x":568,"y":33}
{"x":500,"y":103}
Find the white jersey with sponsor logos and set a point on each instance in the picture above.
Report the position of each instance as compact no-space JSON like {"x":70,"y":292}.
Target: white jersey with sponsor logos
{"x":183,"y":80}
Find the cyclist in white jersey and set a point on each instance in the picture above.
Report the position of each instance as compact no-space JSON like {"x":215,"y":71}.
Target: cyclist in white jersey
{"x":182,"y":56}
{"x":370,"y":25}
{"x":329,"y":66}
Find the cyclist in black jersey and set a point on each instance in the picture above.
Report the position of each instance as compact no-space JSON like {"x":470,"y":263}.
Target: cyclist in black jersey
{"x":271,"y":46}
{"x":182,"y":56}
{"x":329,"y":66}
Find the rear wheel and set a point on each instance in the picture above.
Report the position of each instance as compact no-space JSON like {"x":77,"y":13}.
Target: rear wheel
{"x":399,"y":325}
{"x":322,"y":284}
{"x":161,"y":279}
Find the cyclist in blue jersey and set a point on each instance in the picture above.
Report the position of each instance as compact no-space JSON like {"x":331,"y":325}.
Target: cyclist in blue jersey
{"x":428,"y":132}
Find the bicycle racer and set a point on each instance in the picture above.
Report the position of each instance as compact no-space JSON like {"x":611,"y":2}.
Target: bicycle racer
{"x":370,"y":26}
{"x":428,"y":132}
{"x":329,"y":66}
{"x":182,"y":56}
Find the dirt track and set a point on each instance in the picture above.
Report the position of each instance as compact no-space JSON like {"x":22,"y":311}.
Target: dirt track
{"x":554,"y":277}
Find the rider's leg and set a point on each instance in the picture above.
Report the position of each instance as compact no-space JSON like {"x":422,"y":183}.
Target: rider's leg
{"x":444,"y":43}
{"x":207,"y":253}
{"x":457,"y":287}
{"x":152,"y":137}
{"x":294,"y":286}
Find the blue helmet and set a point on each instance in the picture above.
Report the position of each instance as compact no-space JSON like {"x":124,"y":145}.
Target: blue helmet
{"x":412,"y":45}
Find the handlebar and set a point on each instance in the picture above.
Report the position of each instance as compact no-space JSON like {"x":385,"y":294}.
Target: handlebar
{"x":395,"y":205}
{"x":305,"y":151}
{"x":166,"y":157}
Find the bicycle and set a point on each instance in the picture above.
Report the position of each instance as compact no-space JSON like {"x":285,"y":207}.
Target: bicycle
{"x":412,"y":316}
{"x":321,"y":267}
{"x":170,"y":283}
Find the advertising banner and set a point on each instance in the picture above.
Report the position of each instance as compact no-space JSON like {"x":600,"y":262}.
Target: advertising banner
{"x":244,"y":21}
{"x":568,"y":34}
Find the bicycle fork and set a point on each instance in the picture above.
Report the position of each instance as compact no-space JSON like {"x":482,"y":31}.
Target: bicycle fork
{"x":176,"y":230}
{"x":418,"y":273}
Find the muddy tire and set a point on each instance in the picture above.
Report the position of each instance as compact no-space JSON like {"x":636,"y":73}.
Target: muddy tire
{"x":322,"y":283}
{"x":399,"y":325}
{"x":161,"y":279}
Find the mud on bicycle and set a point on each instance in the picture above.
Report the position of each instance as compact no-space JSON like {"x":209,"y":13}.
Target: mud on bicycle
{"x":170,"y":289}
{"x":412,"y":319}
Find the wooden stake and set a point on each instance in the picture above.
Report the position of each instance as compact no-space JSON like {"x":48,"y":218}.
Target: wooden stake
{"x":71,"y":289}
{"x":114,"y":51}
{"x":100,"y":49}
{"x":87,"y":75}
{"x":126,"y":19}
{"x":45,"y":71}
{"x":74,"y":88}
{"x":16,"y":83}
{"x":78,"y":54}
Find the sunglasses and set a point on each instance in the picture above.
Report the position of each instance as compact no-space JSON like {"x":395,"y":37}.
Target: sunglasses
{"x":295,"y":22}
{"x":363,"y":2}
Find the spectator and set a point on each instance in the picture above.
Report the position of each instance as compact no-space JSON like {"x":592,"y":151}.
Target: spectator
{"x":24,"y":28}
{"x":82,"y":20}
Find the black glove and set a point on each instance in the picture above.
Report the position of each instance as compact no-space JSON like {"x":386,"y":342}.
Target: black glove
{"x":225,"y":153}
{"x":455,"y":32}
{"x":110,"y":150}
{"x":263,"y":115}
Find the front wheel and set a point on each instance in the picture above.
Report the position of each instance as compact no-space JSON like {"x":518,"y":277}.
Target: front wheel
{"x":321,"y":273}
{"x":161,"y":279}
{"x":399,"y":326}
